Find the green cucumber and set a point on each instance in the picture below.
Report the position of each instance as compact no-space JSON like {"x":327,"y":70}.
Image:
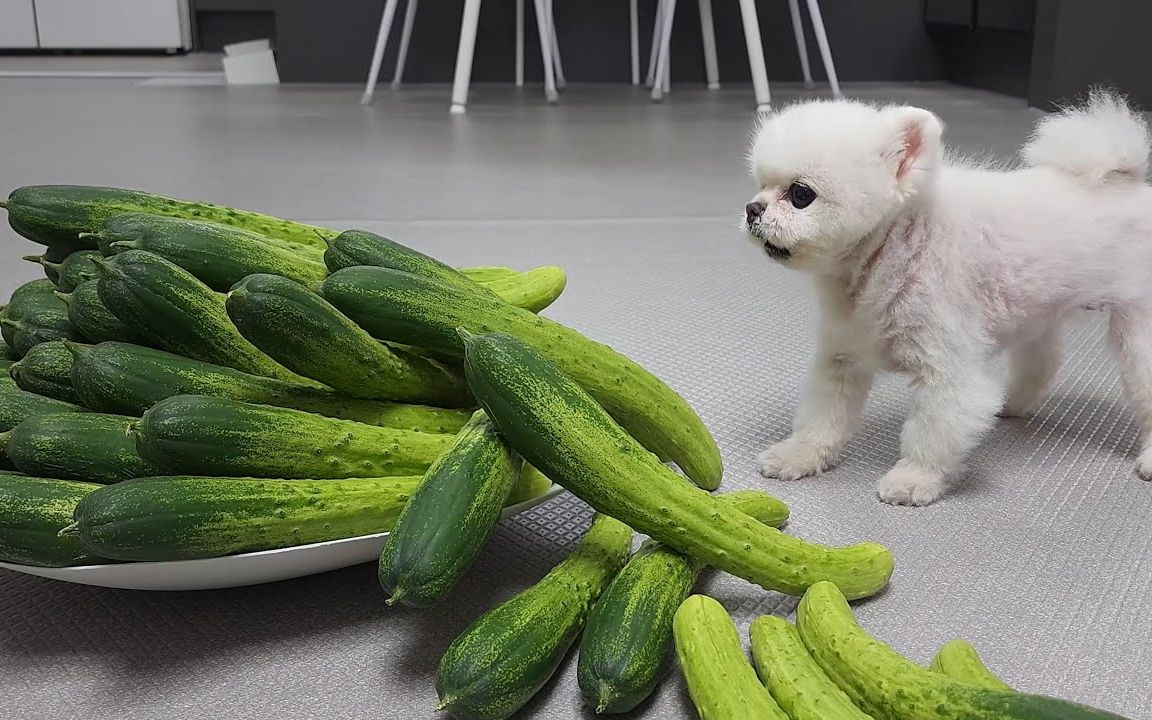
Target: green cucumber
{"x":405,"y":308}
{"x":352,"y":248}
{"x":627,"y":641}
{"x":449,"y":517}
{"x":127,"y":379}
{"x":532,"y":290}
{"x":186,"y":518}
{"x":179,"y":313}
{"x":485,"y":274}
{"x":17,"y":405}
{"x":35,"y":315}
{"x":303,"y":332}
{"x":92,"y":447}
{"x":198,"y":435}
{"x":93,"y":320}
{"x":51,"y":269}
{"x":33,"y":511}
{"x":496,"y":665}
{"x":76,"y":268}
{"x":559,"y":428}
{"x":532,"y":484}
{"x":889,"y":687}
{"x":58,"y":214}
{"x":793,"y":678}
{"x":46,"y":370}
{"x":722,"y":684}
{"x":958,"y":660}
{"x":218,"y":255}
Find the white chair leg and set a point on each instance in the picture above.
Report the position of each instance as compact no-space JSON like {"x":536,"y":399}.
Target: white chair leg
{"x":825,"y":50}
{"x":657,"y":24}
{"x":661,"y":84}
{"x":801,"y":43}
{"x":405,"y":38}
{"x":463,"y":76}
{"x":519,"y":43}
{"x":756,"y":55}
{"x":634,"y":37}
{"x":560,"y":81}
{"x":667,"y":84}
{"x":378,"y":53}
{"x":711,"y":67}
{"x":545,"y":30}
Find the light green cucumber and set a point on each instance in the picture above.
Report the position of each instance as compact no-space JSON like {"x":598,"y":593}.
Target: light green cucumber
{"x":33,"y":511}
{"x":958,"y":660}
{"x":722,"y":684}
{"x":889,"y":687}
{"x":495,"y":666}
{"x":793,"y":678}
{"x":532,"y":483}
{"x":532,"y":290}
{"x":303,"y":332}
{"x":405,"y":308}
{"x":485,"y":274}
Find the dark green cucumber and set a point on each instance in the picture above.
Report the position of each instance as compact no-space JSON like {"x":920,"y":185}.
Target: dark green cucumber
{"x":76,"y":446}
{"x":33,"y":511}
{"x":793,"y":678}
{"x":35,"y":315}
{"x":357,"y":247}
{"x":180,"y":313}
{"x":303,"y":332}
{"x":94,"y":321}
{"x":46,"y":370}
{"x":722,"y":684}
{"x":75,"y":269}
{"x":627,"y":641}
{"x":417,"y":311}
{"x":58,"y":214}
{"x":449,"y":517}
{"x":889,"y":687}
{"x":51,"y":269}
{"x":495,"y":666}
{"x":958,"y":660}
{"x":198,"y":435}
{"x":560,"y":429}
{"x":218,"y":255}
{"x":17,"y":405}
{"x":185,"y":518}
{"x":532,"y":290}
{"x":128,"y":379}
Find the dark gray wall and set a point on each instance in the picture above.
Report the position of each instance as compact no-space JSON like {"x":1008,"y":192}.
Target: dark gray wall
{"x":332,"y":41}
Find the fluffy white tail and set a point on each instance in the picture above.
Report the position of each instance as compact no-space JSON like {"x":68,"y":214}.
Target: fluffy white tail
{"x":1101,"y":141}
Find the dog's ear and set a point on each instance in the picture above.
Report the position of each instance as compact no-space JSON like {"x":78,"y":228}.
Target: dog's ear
{"x":914,"y":145}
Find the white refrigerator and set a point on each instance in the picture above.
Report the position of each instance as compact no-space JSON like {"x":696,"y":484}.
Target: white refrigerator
{"x":96,"y":24}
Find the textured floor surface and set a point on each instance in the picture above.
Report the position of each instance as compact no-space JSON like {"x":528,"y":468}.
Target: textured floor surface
{"x":1042,"y":556}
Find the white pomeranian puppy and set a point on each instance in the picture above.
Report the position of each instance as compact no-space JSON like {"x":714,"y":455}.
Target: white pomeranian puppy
{"x":931,"y":266}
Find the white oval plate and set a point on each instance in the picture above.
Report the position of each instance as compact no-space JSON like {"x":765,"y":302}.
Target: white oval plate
{"x":238,"y":570}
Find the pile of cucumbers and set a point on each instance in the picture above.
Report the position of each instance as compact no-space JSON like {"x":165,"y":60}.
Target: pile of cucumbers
{"x":191,"y":381}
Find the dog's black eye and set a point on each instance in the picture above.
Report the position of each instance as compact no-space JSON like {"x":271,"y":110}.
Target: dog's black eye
{"x":801,"y":196}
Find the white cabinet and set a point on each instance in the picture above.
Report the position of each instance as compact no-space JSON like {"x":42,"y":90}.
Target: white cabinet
{"x":17,"y":24}
{"x":113,"y":24}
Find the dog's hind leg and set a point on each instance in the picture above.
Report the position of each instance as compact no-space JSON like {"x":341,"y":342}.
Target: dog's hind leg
{"x":1130,"y":331}
{"x":1032,"y":365}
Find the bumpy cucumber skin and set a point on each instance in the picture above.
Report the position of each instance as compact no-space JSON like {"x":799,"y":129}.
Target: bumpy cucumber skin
{"x":889,"y":687}
{"x":198,"y":435}
{"x":35,"y":315}
{"x":17,"y":405}
{"x":75,"y":269}
{"x":495,"y":666}
{"x":793,"y":678}
{"x":421,"y":312}
{"x":127,"y":379}
{"x":94,"y":321}
{"x":33,"y":511}
{"x":303,"y":332}
{"x":958,"y":660}
{"x":627,"y":641}
{"x":532,"y":290}
{"x":449,"y":517}
{"x":218,"y":255}
{"x":91,"y":447}
{"x":46,"y":369}
{"x":353,"y":248}
{"x":180,"y":313}
{"x":722,"y":684}
{"x":57,"y":214}
{"x":185,"y":518}
{"x":559,"y":428}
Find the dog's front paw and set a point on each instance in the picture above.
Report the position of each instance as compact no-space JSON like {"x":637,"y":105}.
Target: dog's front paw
{"x":793,"y":459}
{"x":1144,"y":464}
{"x":909,"y":485}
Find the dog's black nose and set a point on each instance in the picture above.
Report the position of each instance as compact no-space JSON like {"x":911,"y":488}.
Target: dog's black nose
{"x":753,"y":211}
